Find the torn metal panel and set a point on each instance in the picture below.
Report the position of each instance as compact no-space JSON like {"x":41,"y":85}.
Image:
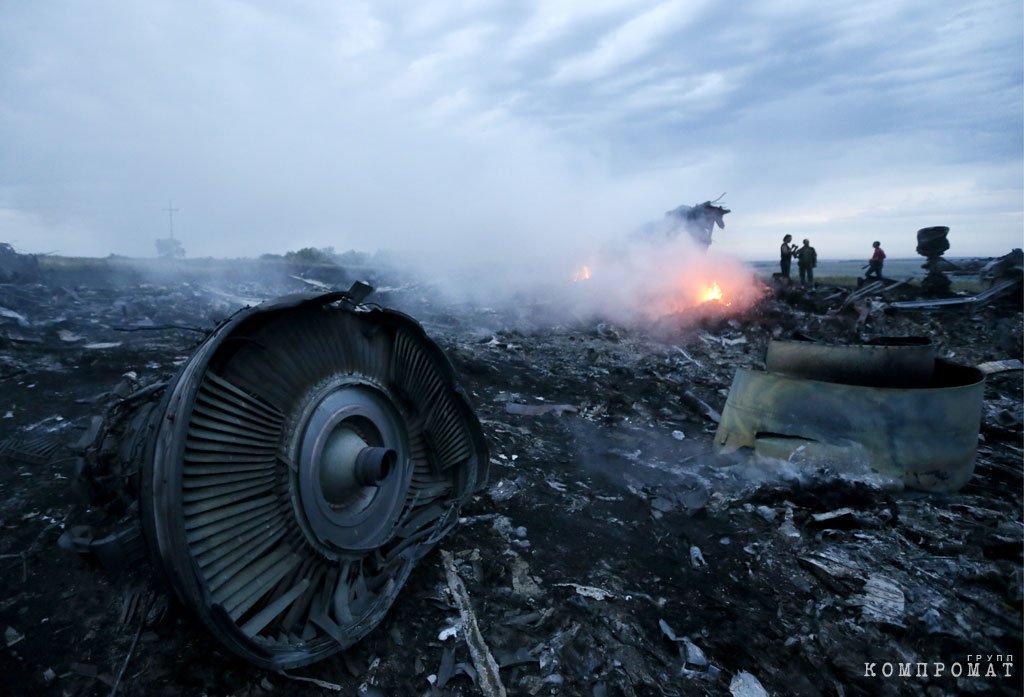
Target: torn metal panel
{"x":116,"y":551}
{"x":1007,"y":266}
{"x":898,"y":361}
{"x":998,"y":289}
{"x":926,"y":437}
{"x":32,"y":449}
{"x":486,"y":667}
{"x":1004,"y":366}
{"x":539,"y":409}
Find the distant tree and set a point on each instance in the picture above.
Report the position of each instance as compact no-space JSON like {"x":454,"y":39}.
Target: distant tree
{"x":169,"y":248}
{"x":311,"y":255}
{"x":354,"y":258}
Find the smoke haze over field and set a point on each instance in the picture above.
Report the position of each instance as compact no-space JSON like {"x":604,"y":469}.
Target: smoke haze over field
{"x":632,"y":281}
{"x":508,"y":134}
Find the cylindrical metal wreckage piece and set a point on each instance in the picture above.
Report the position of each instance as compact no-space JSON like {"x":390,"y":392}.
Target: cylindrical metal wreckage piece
{"x":307,"y":455}
{"x":925,"y":435}
{"x":896,"y":361}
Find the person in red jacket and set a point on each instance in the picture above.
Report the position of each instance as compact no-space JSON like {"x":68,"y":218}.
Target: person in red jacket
{"x":876,"y":261}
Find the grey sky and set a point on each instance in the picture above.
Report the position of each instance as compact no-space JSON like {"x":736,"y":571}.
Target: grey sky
{"x":490,"y":129}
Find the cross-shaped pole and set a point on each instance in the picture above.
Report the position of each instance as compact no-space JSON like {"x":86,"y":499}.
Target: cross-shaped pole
{"x":170,"y":216}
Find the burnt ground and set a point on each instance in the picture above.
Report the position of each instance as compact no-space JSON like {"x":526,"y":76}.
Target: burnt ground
{"x":612,"y":552}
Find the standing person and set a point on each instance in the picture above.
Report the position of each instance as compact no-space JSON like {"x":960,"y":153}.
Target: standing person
{"x":875,"y":262}
{"x":806,"y":259}
{"x":786,"y":255}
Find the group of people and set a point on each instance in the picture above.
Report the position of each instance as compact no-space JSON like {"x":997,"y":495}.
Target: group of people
{"x":807,"y":259}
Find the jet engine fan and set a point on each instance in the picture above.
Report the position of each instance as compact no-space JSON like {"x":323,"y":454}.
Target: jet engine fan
{"x":309,"y":452}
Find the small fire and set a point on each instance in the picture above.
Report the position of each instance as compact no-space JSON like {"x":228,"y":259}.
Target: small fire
{"x":712,"y":293}
{"x":583,"y":274}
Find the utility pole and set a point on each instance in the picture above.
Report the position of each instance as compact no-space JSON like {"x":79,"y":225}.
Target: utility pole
{"x":170,"y":216}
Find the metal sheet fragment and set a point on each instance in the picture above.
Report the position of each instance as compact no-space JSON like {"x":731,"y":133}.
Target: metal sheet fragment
{"x":979,"y":299}
{"x":926,"y":437}
{"x":882,"y":601}
{"x":1004,"y":366}
{"x":885,"y":362}
{"x":539,"y":409}
{"x":486,"y":667}
{"x":592,"y":592}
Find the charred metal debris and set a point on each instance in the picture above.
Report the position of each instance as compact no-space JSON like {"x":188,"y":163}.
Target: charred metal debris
{"x":307,"y":454}
{"x":613,"y":551}
{"x":888,"y":405}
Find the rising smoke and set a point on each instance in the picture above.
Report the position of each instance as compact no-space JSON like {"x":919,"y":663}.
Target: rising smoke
{"x":635,"y":277}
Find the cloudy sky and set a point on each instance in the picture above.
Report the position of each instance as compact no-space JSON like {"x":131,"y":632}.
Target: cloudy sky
{"x":485,"y":129}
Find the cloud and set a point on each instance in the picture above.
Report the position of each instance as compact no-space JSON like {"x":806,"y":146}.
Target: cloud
{"x":636,"y":38}
{"x":483,"y":128}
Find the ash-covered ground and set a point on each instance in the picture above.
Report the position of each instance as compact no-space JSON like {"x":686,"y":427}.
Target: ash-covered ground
{"x":612,"y":553}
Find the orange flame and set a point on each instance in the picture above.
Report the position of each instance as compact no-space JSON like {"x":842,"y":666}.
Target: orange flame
{"x":712,"y":293}
{"x":583,"y":274}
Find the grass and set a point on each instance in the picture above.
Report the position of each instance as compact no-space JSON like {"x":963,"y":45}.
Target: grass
{"x":961,"y":284}
{"x":208,"y":265}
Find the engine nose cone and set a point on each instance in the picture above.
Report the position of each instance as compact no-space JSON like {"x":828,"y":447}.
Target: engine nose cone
{"x":353,"y":466}
{"x":374,"y":464}
{"x":349,"y":464}
{"x":337,"y":466}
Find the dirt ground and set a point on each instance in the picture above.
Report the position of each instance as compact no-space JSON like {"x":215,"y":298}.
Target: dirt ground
{"x":612,"y":552}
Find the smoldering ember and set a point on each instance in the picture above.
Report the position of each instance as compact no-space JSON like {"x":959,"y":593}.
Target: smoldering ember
{"x":812,"y":491}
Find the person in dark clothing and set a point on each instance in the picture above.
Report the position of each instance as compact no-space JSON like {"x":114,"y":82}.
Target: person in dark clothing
{"x":786,"y":255}
{"x":876,"y":261}
{"x":806,"y":259}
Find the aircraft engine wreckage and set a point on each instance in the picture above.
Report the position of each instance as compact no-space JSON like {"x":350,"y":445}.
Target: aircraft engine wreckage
{"x":889,"y":405}
{"x":309,"y":452}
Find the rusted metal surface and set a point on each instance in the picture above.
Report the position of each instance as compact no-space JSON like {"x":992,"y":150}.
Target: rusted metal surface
{"x":925,"y":437}
{"x":902,"y":361}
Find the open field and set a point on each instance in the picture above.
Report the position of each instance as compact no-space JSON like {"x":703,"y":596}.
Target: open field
{"x":601,"y":526}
